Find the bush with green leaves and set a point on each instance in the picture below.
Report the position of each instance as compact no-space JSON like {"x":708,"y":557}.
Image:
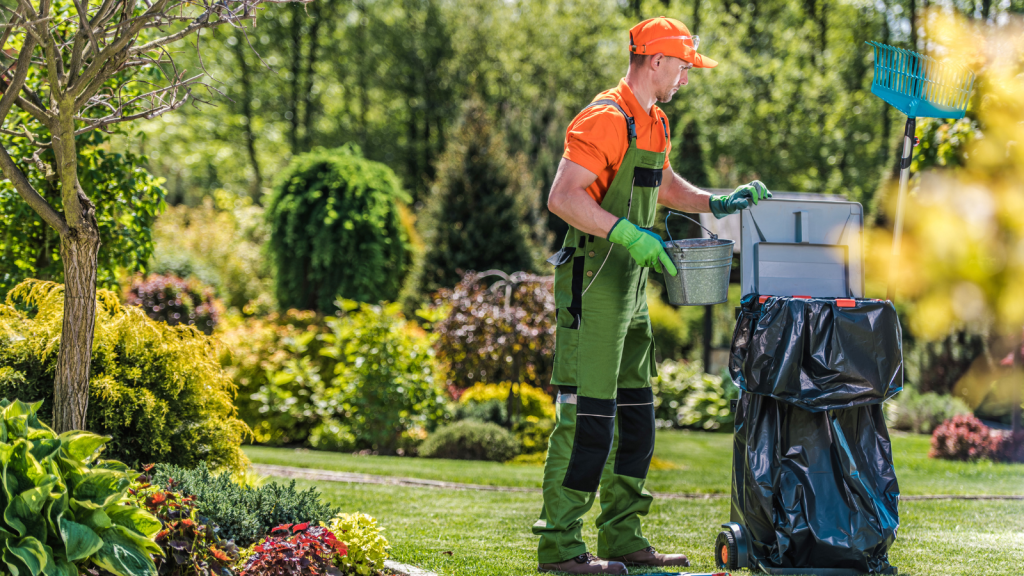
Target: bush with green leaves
{"x":364,"y":379}
{"x":922,"y":413}
{"x":335,"y":230}
{"x":157,"y":390}
{"x":686,"y":397}
{"x":367,"y":546}
{"x":242,"y":513}
{"x":276,"y":364}
{"x":384,"y":391}
{"x":63,"y":507}
{"x":471,"y":440}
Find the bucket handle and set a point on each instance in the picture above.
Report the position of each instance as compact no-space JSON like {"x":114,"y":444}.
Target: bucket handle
{"x":670,"y":213}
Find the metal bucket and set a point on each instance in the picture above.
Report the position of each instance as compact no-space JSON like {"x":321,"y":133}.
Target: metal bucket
{"x":703,"y":266}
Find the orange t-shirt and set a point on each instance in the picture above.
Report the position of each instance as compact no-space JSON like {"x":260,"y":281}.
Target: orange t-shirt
{"x":597,"y":138}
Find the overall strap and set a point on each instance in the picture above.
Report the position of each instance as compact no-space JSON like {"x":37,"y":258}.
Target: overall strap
{"x":630,"y":123}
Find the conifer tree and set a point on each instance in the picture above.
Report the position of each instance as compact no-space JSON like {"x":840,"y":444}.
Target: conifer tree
{"x":483,"y":211}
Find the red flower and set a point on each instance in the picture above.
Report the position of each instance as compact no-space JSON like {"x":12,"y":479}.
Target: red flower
{"x":284,"y":527}
{"x":300,"y":527}
{"x":156,"y":499}
{"x":219,"y":555}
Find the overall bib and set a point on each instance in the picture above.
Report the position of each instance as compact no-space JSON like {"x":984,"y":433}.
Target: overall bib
{"x":604,"y":360}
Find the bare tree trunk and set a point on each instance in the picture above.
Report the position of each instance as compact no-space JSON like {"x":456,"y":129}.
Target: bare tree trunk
{"x":79,"y":252}
{"x":79,"y":248}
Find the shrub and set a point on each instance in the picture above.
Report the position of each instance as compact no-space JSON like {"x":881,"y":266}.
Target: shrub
{"x":384,"y":389}
{"x":533,"y":433}
{"x":962,"y":437}
{"x":688,"y":398}
{"x":275,"y":362}
{"x":295,"y":550}
{"x":483,"y":210}
{"x":190,"y":546}
{"x":175,"y":301}
{"x":157,"y":390}
{"x":335,"y":230}
{"x":533,"y":401}
{"x":471,"y":440}
{"x":244,"y":514}
{"x":922,"y":413}
{"x":367,"y":547}
{"x":62,"y":506}
{"x":220,"y":243}
{"x":365,"y":379}
{"x":505,"y":332}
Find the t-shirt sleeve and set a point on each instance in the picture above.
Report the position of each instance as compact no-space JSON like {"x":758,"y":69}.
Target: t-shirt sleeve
{"x":668,"y":145}
{"x":596,"y":139}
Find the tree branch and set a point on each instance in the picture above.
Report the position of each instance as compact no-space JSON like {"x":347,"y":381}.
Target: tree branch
{"x":29,"y":194}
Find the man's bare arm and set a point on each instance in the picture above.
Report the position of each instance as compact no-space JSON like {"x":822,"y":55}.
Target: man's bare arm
{"x":678,"y":194}
{"x":570,"y":201}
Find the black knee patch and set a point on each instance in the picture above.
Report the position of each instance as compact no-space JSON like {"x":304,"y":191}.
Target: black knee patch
{"x":636,"y":432}
{"x":595,"y":429}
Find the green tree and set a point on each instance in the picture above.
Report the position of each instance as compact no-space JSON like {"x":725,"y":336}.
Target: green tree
{"x":76,"y":67}
{"x":335,"y":230}
{"x":128,"y":200}
{"x":483,"y":210}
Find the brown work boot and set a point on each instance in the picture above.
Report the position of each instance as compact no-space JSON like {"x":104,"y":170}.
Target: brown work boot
{"x":648,"y":557}
{"x":585,"y":563}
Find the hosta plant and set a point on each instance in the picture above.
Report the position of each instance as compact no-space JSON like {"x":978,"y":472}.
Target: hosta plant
{"x":295,"y":550}
{"x":63,"y":507}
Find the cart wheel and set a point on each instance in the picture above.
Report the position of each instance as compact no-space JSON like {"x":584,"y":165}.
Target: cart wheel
{"x":726,"y":555}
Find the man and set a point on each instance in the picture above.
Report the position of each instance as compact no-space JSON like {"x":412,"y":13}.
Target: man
{"x":614,"y":171}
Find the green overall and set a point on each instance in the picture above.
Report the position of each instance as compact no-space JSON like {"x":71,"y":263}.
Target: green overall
{"x":604,"y":360}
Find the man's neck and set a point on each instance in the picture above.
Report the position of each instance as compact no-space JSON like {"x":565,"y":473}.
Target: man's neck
{"x":642,"y":90}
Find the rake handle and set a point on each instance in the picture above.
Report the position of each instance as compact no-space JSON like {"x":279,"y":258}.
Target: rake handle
{"x":897,"y":231}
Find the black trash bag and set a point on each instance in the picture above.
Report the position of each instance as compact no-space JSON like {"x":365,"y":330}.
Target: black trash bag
{"x":813,"y":480}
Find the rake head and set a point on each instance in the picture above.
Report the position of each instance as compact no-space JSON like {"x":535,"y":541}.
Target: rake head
{"x":920,"y":86}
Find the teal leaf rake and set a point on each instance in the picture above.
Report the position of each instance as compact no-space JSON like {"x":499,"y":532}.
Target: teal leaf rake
{"x":918,"y":86}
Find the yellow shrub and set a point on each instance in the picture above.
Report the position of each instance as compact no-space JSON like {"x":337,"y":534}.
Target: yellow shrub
{"x":535,"y":401}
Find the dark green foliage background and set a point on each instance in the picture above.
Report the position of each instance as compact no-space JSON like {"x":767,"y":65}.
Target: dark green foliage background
{"x":245,"y":514}
{"x":335,"y":230}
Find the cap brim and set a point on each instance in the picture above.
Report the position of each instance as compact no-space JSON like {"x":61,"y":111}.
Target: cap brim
{"x":702,"y":61}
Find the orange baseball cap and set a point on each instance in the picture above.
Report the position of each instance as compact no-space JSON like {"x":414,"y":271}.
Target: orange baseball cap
{"x":667,"y":36}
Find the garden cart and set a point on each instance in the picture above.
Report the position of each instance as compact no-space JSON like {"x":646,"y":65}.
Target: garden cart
{"x":813,"y":486}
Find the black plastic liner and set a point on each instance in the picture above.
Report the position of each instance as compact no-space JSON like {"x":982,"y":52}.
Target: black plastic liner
{"x":813,"y":481}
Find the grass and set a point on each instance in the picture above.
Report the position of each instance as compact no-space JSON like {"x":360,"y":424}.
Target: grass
{"x":484,"y":533}
{"x":702,"y":460}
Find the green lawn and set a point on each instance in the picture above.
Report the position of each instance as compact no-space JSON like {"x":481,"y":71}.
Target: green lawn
{"x":703,"y":464}
{"x":488,"y":534}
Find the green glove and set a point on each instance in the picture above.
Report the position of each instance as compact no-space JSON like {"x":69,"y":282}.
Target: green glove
{"x":740,"y":199}
{"x":646,"y":247}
